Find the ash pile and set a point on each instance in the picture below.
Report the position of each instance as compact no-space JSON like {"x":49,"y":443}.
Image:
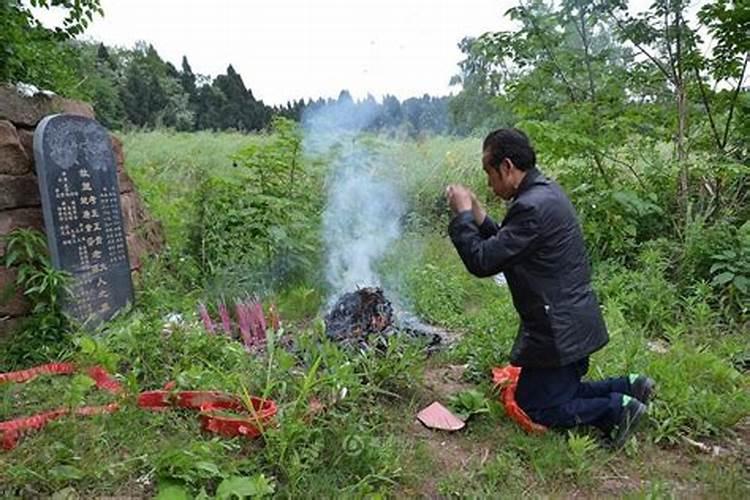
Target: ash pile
{"x":366,"y":318}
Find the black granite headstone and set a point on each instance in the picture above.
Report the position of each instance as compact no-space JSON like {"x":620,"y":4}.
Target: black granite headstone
{"x":81,"y":204}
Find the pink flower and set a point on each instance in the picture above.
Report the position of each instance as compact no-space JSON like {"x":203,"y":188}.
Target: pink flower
{"x":259,"y":320}
{"x":207,"y":323}
{"x":226,"y":322}
{"x":245,"y":324}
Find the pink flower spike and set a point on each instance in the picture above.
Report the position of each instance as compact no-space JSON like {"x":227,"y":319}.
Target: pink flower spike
{"x":207,"y":323}
{"x":226,"y":322}
{"x":244,"y":323}
{"x":260,"y":320}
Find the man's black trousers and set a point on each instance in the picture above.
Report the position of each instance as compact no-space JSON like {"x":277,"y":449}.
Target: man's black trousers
{"x":557,"y":398}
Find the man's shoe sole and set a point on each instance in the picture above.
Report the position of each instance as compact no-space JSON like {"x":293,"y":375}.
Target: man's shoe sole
{"x":646,"y":391}
{"x":628,"y":426}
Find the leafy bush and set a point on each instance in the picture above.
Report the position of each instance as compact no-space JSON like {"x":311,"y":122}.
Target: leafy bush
{"x":648,"y":298}
{"x":700,"y":242}
{"x":45,"y":334}
{"x":262,"y":220}
{"x":731,"y":271}
{"x":617,"y":220}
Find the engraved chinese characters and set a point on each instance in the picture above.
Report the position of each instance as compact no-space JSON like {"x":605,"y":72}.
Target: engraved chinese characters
{"x":81,"y":204}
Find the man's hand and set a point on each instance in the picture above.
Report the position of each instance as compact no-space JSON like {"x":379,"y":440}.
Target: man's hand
{"x":459,"y":198}
{"x":477,"y":210}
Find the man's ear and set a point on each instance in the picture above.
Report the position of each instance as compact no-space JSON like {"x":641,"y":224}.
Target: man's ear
{"x":509,"y":164}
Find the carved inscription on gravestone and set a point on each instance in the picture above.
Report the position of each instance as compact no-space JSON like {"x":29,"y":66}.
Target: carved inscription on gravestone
{"x":81,"y":204}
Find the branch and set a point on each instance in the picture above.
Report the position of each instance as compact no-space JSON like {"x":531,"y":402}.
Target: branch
{"x":643,"y":51}
{"x":587,"y":59}
{"x":569,"y":87}
{"x":734,"y":102}
{"x":630,"y":167}
{"x":706,"y":105}
{"x":668,"y":40}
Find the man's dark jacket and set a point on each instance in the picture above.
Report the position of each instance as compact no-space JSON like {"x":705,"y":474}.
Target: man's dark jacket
{"x":539,"y":247}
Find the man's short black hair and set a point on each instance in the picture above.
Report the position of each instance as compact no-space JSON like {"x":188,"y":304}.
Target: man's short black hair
{"x":510,"y":143}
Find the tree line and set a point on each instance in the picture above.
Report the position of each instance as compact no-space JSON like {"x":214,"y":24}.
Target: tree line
{"x":135,"y":87}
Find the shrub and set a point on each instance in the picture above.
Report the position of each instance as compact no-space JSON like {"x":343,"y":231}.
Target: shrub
{"x":263,"y":220}
{"x":731,"y":272}
{"x":45,"y":334}
{"x":648,"y":298}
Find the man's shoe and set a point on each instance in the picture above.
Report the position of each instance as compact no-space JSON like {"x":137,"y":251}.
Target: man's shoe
{"x":631,"y":414}
{"x":642,"y":388}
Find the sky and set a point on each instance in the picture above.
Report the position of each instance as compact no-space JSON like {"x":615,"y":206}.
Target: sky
{"x":291,"y":49}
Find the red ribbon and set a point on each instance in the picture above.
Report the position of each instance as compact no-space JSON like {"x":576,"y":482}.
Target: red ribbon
{"x":250,"y":425}
{"x":506,"y":379}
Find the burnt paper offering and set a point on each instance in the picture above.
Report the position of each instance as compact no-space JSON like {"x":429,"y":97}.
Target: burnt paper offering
{"x":82,"y":218}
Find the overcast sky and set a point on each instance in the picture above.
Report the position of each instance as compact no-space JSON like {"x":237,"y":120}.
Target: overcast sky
{"x":288,"y":49}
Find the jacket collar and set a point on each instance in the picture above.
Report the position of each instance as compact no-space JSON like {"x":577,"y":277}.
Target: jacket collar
{"x":528,"y":180}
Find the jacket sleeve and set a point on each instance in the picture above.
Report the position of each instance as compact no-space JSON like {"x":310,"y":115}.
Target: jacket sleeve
{"x":488,"y":256}
{"x":488,"y":228}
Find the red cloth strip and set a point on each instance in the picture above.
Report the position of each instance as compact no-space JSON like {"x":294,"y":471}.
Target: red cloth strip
{"x":506,"y":379}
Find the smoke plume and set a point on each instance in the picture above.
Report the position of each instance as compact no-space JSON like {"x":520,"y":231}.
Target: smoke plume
{"x":364,"y":207}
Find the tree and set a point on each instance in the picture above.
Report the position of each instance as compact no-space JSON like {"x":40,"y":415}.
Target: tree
{"x":559,"y":69}
{"x":663,"y":36}
{"x":35,"y":54}
{"x":240,"y":111}
{"x":99,"y":73}
{"x":729,"y":25}
{"x":187,"y":77}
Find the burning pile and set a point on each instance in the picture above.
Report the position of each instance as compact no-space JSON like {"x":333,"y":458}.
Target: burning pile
{"x":365,"y":318}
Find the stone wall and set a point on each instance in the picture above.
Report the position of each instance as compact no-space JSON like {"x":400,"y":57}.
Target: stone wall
{"x":20,"y":204}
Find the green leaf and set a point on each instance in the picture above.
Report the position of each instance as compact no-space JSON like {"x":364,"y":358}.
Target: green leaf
{"x":741,"y":283}
{"x":66,"y":473}
{"x":173,"y":492}
{"x":88,"y":345}
{"x":244,"y":487}
{"x":723,"y":278}
{"x":209,"y":467}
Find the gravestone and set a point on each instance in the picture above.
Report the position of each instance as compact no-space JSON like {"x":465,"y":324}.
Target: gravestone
{"x":82,"y":218}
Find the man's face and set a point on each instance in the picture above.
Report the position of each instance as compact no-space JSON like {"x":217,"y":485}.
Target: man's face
{"x":498,"y":178}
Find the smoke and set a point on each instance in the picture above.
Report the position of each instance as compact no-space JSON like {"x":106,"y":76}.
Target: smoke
{"x":364,"y":208}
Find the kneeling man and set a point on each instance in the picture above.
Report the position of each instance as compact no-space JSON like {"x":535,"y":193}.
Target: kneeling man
{"x":539,"y":247}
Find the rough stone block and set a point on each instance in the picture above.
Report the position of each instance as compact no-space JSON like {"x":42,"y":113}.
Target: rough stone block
{"x":135,"y":250}
{"x":19,"y":191}
{"x":8,"y":325}
{"x":13,"y":157}
{"x":28,"y":111}
{"x":22,"y":217}
{"x":118,"y":151}
{"x":132,"y":211}
{"x":152,"y":233}
{"x":147,"y":239}
{"x":125,"y":182}
{"x":26,"y":138}
{"x":12,"y":301}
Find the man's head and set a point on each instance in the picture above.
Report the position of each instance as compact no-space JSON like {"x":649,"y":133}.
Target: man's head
{"x":506,"y":156}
